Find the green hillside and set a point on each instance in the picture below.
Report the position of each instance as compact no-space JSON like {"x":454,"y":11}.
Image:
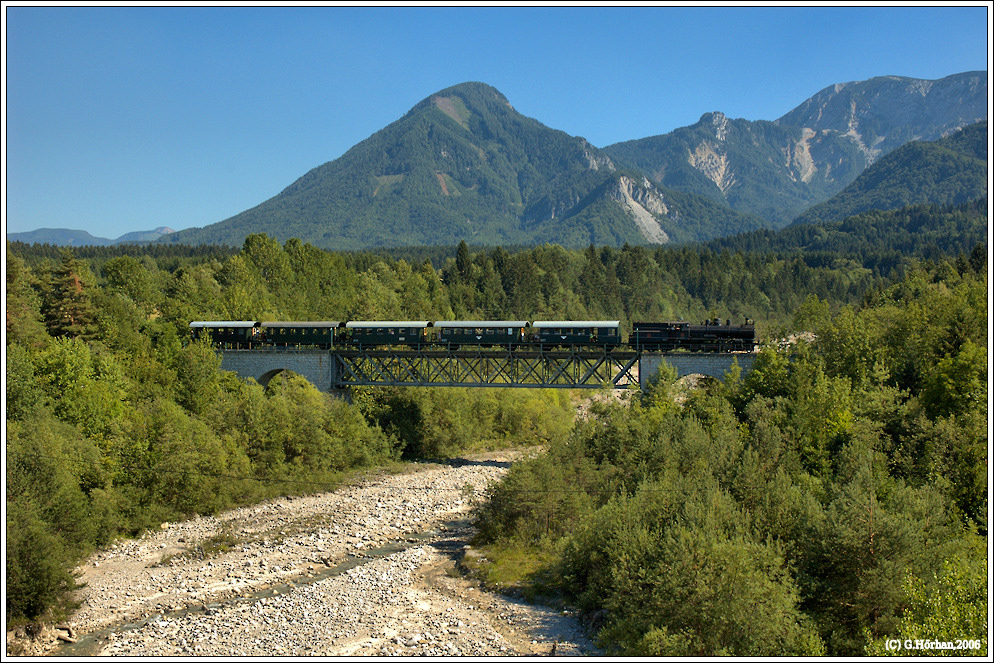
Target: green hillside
{"x":878,"y":240}
{"x":948,"y":171}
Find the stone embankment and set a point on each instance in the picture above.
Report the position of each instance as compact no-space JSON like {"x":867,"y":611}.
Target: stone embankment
{"x":337,"y":574}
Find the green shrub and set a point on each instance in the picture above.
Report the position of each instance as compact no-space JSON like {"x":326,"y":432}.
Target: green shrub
{"x":38,"y":563}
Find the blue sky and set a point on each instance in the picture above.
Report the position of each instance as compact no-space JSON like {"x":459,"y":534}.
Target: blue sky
{"x":129,"y":118}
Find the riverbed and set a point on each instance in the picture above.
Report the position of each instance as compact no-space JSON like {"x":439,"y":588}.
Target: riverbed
{"x":369,"y":569}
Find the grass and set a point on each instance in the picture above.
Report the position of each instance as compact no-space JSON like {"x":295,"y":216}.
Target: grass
{"x":529,"y":571}
{"x":210,"y":547}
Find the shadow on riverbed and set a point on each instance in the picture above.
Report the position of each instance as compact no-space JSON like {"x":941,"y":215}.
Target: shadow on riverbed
{"x":465,"y":462}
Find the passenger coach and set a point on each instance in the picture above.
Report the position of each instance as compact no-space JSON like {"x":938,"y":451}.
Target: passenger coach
{"x":550,"y":333}
{"x":361,"y":334}
{"x":228,"y":333}
{"x":317,"y":333}
{"x":490,"y":333}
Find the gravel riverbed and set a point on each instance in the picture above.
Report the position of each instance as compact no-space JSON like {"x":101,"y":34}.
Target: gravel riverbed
{"x":336,"y":574}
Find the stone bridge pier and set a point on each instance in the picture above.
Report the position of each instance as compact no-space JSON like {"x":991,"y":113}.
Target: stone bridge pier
{"x":715,"y":365}
{"x":317,"y":366}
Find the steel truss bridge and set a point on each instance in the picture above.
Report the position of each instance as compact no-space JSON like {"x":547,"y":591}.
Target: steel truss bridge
{"x":576,"y":369}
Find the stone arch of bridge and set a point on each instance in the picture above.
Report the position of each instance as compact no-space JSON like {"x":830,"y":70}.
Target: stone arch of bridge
{"x":267,"y":377}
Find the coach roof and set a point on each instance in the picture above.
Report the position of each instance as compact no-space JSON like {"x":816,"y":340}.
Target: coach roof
{"x":575,"y":324}
{"x":389,"y":324}
{"x":224,"y":323}
{"x":485,"y":324}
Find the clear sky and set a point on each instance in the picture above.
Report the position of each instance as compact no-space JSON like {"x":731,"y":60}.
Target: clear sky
{"x":132,"y":117}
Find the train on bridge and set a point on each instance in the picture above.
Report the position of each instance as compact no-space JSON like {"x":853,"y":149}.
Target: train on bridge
{"x":709,"y":336}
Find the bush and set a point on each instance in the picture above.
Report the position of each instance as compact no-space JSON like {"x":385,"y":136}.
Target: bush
{"x":705,"y":586}
{"x":951,"y":606}
{"x":38,"y":564}
{"x":50,"y":520}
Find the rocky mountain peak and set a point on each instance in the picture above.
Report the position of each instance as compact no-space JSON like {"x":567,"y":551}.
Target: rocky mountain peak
{"x":595,"y":158}
{"x":718,"y":123}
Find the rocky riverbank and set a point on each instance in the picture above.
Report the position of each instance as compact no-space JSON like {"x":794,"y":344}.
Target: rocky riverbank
{"x":337,"y":574}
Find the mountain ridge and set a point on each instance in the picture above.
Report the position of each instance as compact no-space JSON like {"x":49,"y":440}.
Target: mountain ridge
{"x":779,"y":168}
{"x":71,"y":237}
{"x":947,"y":171}
{"x":463,"y":164}
{"x":846,"y":108}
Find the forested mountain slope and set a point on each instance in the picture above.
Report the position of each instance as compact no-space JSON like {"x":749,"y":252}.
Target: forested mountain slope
{"x":947,"y":171}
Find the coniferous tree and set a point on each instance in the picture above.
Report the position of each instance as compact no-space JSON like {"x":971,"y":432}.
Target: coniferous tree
{"x":24,"y":323}
{"x":69,"y":310}
{"x":463,"y":261}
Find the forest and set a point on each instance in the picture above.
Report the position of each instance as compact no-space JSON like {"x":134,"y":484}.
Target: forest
{"x":834,"y":497}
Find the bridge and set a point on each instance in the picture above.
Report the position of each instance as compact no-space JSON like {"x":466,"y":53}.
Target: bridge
{"x":338,"y":369}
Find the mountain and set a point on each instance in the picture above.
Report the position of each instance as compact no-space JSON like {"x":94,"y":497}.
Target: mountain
{"x":778,"y":169}
{"x":757,"y":167}
{"x":464,"y":165}
{"x":142,"y":236}
{"x":69,"y":237}
{"x":59,"y":237}
{"x":947,"y":171}
{"x":883,"y":113}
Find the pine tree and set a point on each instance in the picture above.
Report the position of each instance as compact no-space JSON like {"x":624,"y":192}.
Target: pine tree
{"x":23,"y":306}
{"x":463,"y":260}
{"x":68,"y":309}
